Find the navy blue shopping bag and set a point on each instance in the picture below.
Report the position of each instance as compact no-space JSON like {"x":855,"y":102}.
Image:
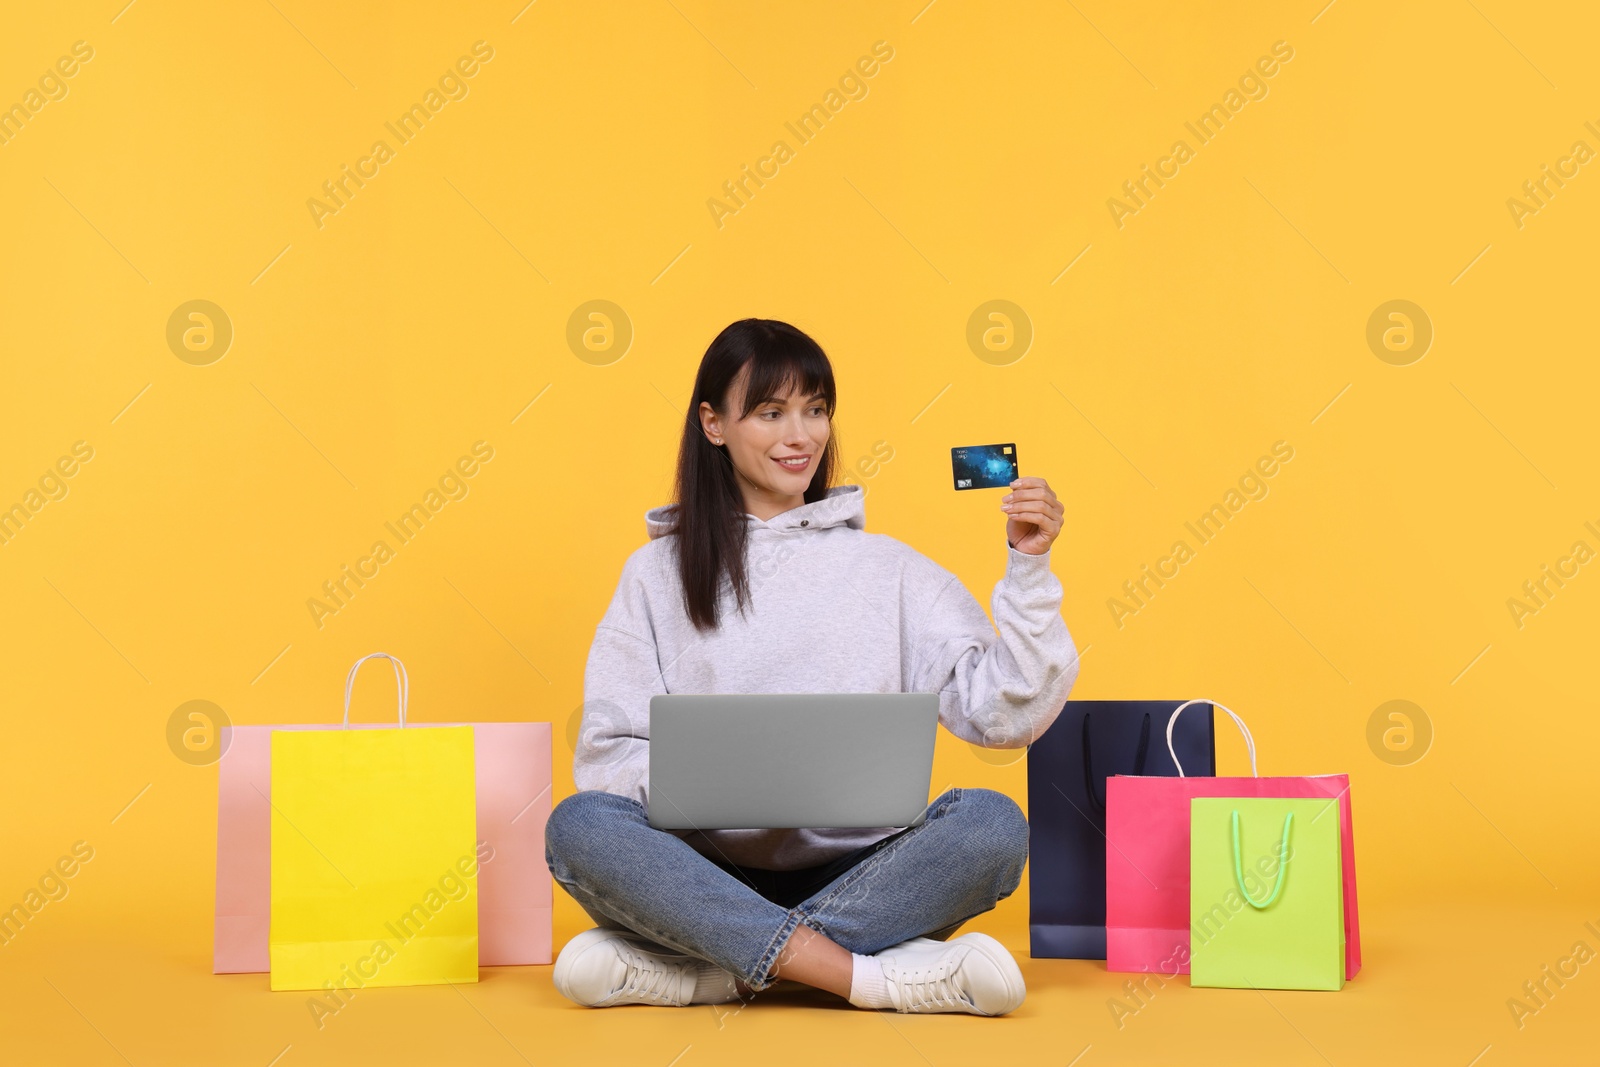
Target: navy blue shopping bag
{"x":1067,"y":770}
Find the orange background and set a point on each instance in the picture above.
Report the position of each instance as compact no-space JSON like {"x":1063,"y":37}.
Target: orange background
{"x":1165,"y":356}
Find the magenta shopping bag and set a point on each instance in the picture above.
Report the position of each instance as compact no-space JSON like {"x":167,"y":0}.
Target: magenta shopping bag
{"x":1147,"y":856}
{"x":515,"y":891}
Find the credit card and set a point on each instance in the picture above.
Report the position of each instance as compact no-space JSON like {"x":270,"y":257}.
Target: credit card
{"x":984,"y":466}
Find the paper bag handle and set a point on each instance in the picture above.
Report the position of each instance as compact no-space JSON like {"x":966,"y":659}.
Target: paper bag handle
{"x":1096,"y":801}
{"x":401,"y":680}
{"x":1283,"y":869}
{"x":1249,"y":741}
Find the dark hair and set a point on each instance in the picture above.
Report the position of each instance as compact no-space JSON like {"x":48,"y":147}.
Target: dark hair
{"x":708,"y":513}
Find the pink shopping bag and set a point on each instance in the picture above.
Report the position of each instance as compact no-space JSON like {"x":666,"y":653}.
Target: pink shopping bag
{"x":515,"y":892}
{"x":1147,"y":857}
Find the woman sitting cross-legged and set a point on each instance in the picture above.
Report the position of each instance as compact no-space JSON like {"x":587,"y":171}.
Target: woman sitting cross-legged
{"x":761,"y":578}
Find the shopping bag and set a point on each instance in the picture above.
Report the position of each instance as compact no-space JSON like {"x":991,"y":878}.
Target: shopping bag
{"x":1147,"y":857}
{"x":1266,"y":894}
{"x":1067,"y":770}
{"x":515,"y":892}
{"x":374,"y":858}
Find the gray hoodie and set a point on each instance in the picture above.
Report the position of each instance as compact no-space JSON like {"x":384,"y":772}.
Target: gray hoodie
{"x":833,"y":609}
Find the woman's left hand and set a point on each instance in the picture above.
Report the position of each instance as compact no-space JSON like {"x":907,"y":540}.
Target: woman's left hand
{"x":1034,"y":515}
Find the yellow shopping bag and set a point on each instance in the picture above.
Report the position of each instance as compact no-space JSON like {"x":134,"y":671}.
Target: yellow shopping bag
{"x":374,"y":858}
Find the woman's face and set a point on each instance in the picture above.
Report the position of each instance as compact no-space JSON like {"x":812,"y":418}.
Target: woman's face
{"x":789,"y":427}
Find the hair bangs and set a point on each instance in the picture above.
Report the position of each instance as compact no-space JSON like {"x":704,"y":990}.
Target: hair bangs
{"x":777,"y":369}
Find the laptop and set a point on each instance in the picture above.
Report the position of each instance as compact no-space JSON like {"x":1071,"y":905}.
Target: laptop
{"x":784,"y":760}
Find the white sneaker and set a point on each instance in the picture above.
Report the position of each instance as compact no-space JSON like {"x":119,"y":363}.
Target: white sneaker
{"x":972,"y":973}
{"x":606,"y":966}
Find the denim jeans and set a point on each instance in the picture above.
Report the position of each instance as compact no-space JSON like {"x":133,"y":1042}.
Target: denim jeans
{"x":923,"y":881}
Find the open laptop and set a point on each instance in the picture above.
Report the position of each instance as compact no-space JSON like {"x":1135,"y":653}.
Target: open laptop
{"x":768,"y":761}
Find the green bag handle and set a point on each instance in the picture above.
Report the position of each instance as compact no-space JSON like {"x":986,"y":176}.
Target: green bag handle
{"x":1238,"y":866}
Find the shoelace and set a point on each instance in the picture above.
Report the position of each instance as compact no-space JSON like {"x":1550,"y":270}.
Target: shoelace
{"x":930,"y":986}
{"x":647,"y":976}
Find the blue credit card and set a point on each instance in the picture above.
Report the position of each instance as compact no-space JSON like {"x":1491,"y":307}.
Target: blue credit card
{"x":984,"y":466}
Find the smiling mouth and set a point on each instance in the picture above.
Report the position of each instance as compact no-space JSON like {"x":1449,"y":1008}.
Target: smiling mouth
{"x":793,"y":463}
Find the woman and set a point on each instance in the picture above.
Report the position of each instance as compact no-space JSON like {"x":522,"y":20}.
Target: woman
{"x":762,"y":579}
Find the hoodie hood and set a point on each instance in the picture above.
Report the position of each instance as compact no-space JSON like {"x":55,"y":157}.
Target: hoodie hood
{"x":844,"y":505}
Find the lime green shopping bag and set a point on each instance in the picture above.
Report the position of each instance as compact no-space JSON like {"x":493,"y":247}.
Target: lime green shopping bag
{"x":1266,"y":893}
{"x":374,"y":858}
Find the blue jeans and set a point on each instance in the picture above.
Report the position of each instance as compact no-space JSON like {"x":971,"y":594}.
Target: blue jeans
{"x":923,"y":881}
